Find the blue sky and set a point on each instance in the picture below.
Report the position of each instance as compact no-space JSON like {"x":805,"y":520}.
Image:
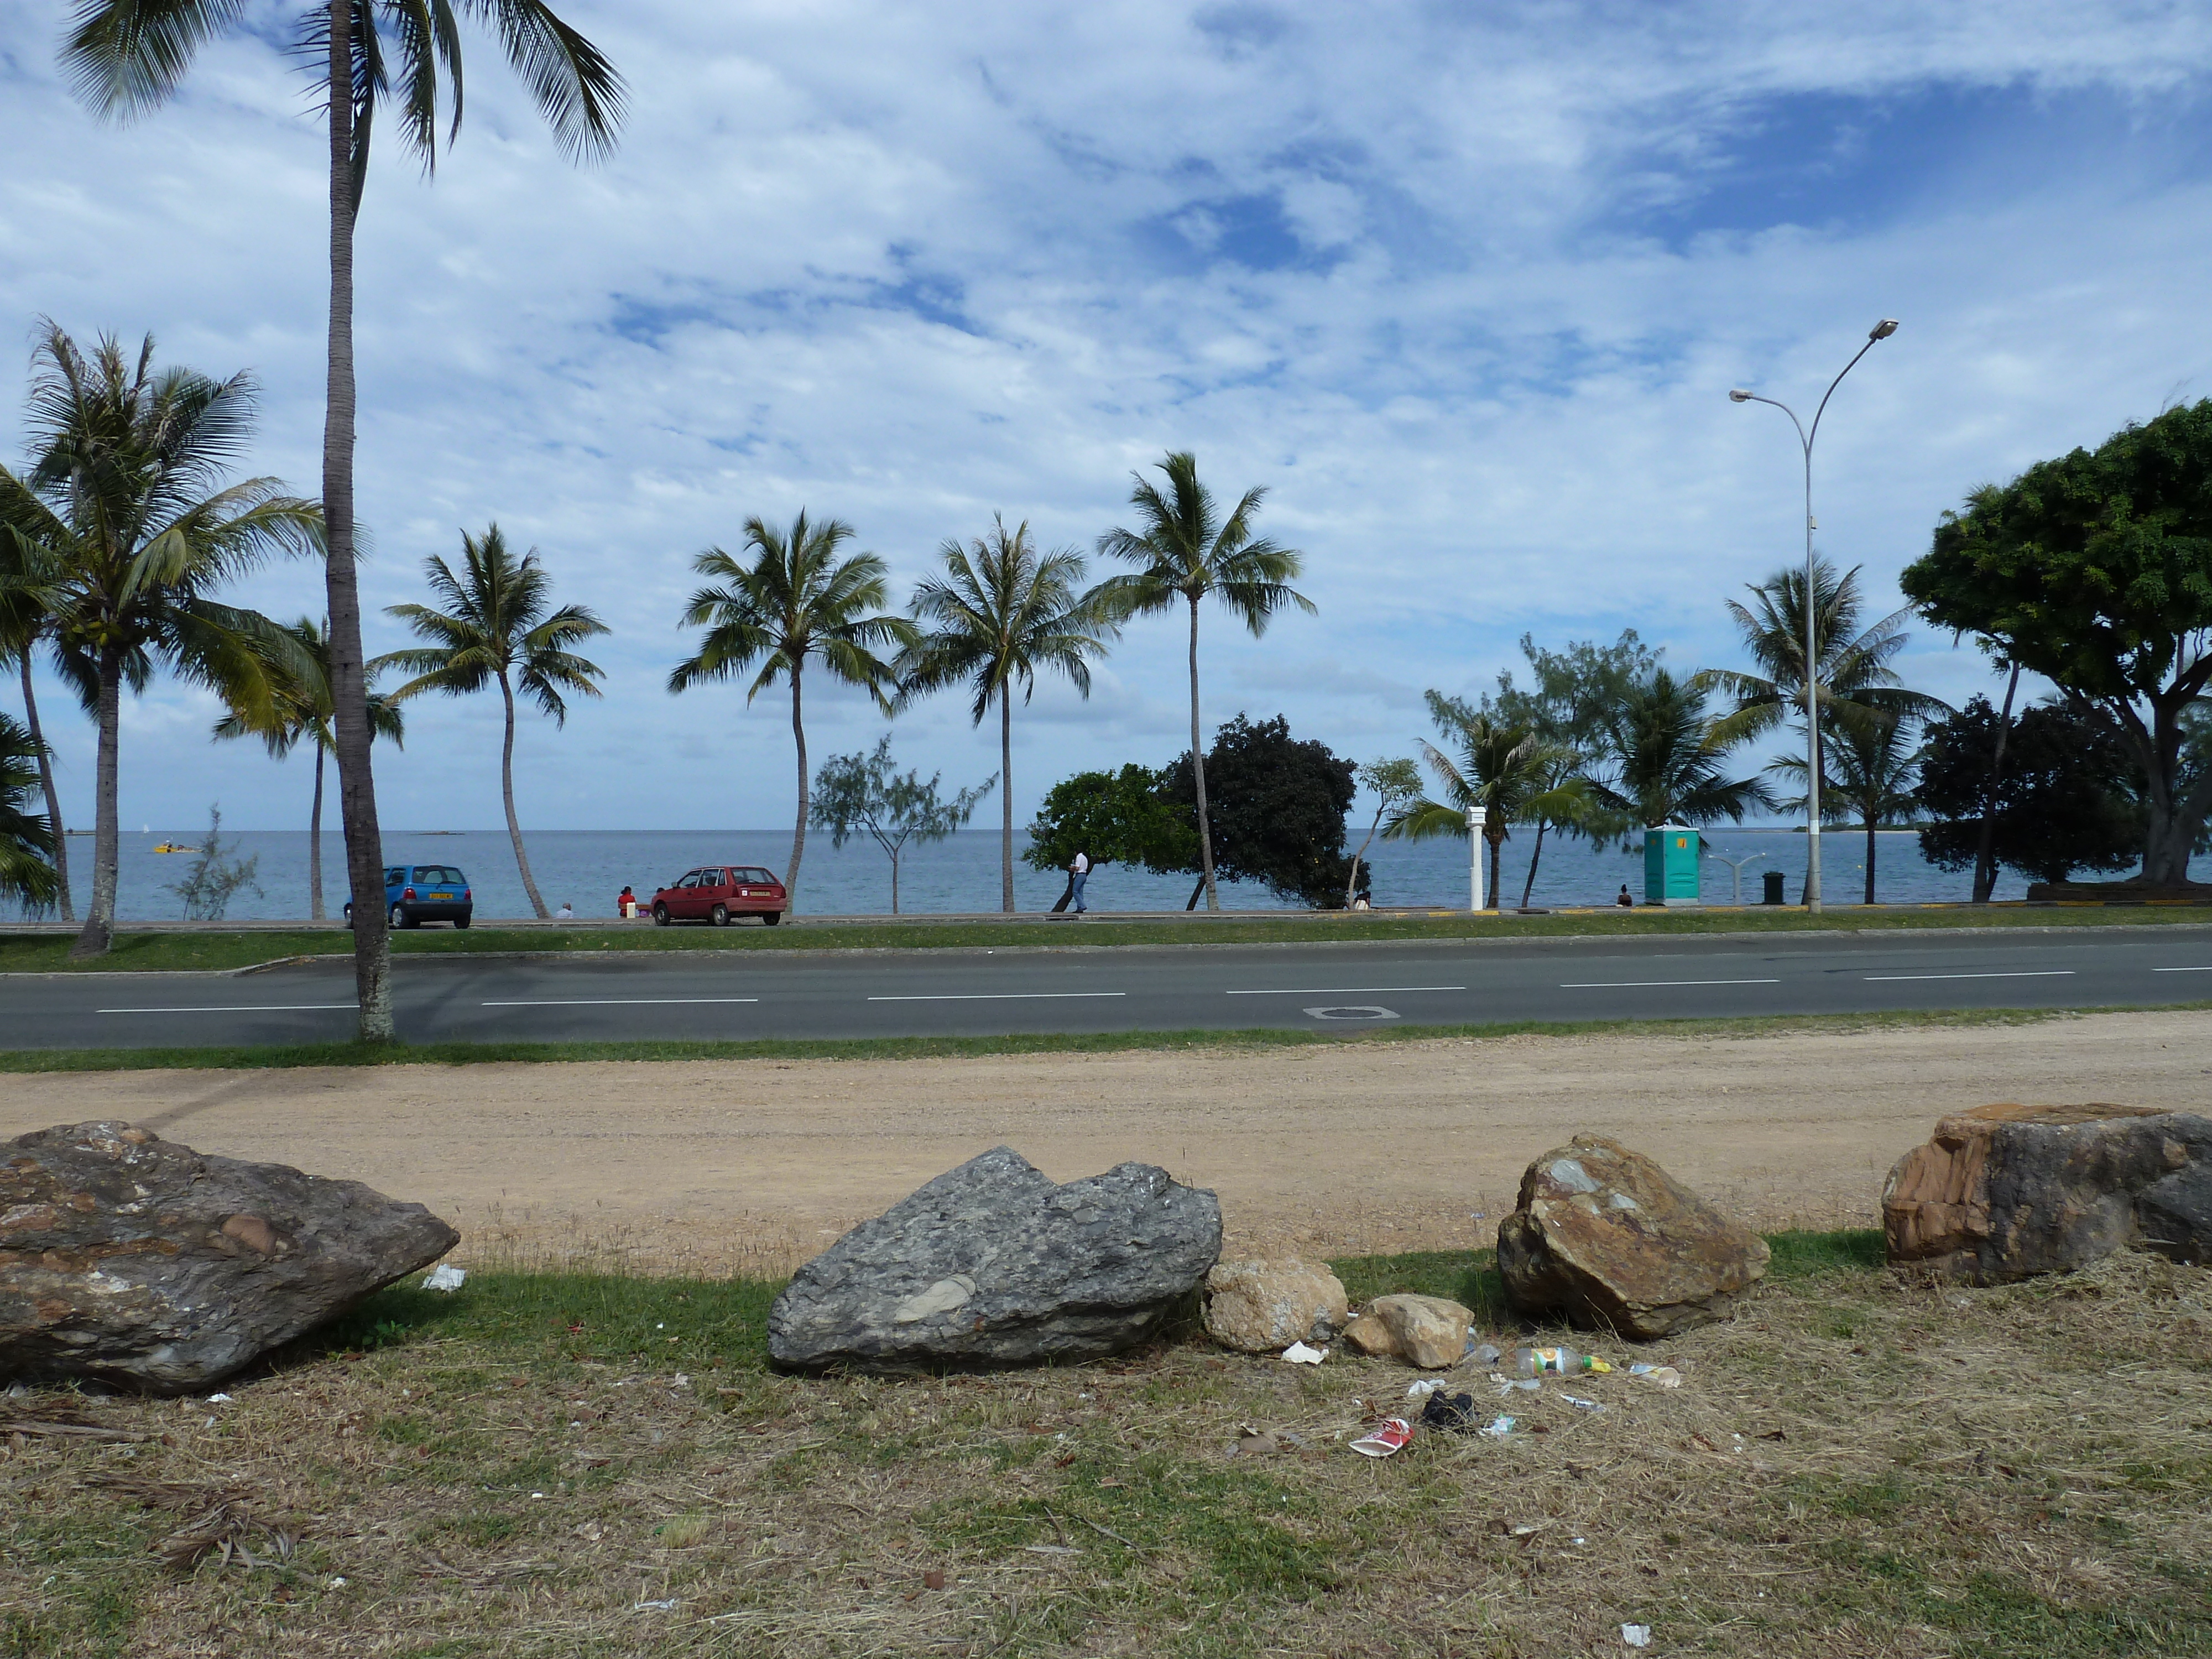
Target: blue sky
{"x":1464,"y":286}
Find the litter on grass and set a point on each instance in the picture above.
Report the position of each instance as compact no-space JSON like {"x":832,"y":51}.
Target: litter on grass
{"x":218,"y":1400}
{"x":1508,"y":1386}
{"x":1389,"y":1436}
{"x":1480,"y":1353}
{"x":1498,"y":1428}
{"x":1426,"y":1387}
{"x":1581,"y":1405}
{"x":1455,"y":1412}
{"x":446,"y":1277}
{"x":657,"y":1607}
{"x":1637,"y":1636}
{"x":1663,"y":1377}
{"x":1299,"y":1354}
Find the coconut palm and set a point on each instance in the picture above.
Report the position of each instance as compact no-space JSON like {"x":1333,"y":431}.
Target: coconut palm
{"x":796,"y":598}
{"x":1503,"y":773}
{"x":1001,"y":611}
{"x":1183,"y":551}
{"x":24,"y":623}
{"x":301,"y":712}
{"x":130,"y":56}
{"x":1871,"y":768}
{"x":1666,"y":756}
{"x":132,"y":530}
{"x":27,"y":873}
{"x":497,"y":628}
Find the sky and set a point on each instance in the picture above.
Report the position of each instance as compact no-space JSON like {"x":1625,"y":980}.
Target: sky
{"x":1462,"y":287}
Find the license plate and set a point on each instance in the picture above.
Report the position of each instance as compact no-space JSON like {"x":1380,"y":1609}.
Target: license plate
{"x":435,"y":898}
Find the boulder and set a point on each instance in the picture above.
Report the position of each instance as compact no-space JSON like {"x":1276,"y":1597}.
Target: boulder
{"x":992,"y":1265}
{"x":131,"y":1260}
{"x":1427,"y":1331}
{"x":1605,"y":1238}
{"x":2006,"y":1192}
{"x":1262,"y":1307}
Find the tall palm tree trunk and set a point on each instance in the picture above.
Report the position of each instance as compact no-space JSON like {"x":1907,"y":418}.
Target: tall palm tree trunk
{"x":507,"y":794}
{"x":1497,"y":898}
{"x":99,"y":932}
{"x":46,"y":783}
{"x":1536,"y":855}
{"x":1006,"y":799}
{"x":315,"y":844}
{"x":372,"y":943}
{"x":1198,"y":776}
{"x":799,"y":830}
{"x":1985,"y":863}
{"x":1869,"y":885}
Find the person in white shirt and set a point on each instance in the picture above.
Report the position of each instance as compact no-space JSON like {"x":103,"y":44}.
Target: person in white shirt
{"x":1078,"y":871}
{"x":566,"y":913}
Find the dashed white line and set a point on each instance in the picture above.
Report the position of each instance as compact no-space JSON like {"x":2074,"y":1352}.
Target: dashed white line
{"x":613,"y":1002}
{"x":996,"y":996}
{"x":1626,"y":984}
{"x":2182,"y":970}
{"x":238,"y":1008}
{"x":1344,"y":990}
{"x":2023,"y":973}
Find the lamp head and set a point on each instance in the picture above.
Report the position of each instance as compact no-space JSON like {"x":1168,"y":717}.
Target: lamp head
{"x":1882,"y":330}
{"x":1739,"y":396}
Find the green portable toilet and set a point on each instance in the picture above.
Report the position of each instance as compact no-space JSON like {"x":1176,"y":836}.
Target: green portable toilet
{"x":1670,"y":865}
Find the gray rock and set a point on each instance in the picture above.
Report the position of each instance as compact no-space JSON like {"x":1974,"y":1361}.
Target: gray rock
{"x":131,"y":1260}
{"x":992,"y":1265}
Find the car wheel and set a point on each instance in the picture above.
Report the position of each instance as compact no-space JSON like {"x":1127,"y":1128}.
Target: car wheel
{"x":661,"y":915}
{"x":461,"y":921}
{"x":720,"y":915}
{"x":769,"y":918}
{"x":399,"y":918}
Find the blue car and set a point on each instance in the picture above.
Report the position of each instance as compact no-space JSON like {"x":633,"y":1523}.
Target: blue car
{"x":416,"y":893}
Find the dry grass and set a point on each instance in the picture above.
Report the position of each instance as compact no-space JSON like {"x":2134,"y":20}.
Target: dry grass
{"x":571,"y":1466}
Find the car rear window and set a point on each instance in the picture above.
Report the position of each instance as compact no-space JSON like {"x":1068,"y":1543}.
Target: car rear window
{"x":440,"y":875}
{"x":753,"y":874}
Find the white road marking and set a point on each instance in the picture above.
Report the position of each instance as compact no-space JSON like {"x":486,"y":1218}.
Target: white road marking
{"x":239,"y":1008}
{"x":613,"y":1002}
{"x":1344,"y":990}
{"x":2182,"y":970}
{"x":996,"y":996}
{"x":1623,"y":984}
{"x":2023,"y":973}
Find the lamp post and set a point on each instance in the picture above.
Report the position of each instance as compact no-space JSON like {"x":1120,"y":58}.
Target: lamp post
{"x":1880,"y":331}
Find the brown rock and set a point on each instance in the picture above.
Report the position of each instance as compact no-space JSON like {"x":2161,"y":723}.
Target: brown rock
{"x":1427,"y":1331}
{"x":129,"y":1260}
{"x":2006,"y":1192}
{"x":1605,"y":1237}
{"x":1262,"y":1307}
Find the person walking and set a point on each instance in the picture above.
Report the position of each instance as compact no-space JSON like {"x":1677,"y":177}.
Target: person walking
{"x":1078,"y":871}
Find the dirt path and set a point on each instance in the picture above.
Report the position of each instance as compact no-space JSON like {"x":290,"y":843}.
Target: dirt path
{"x":757,"y":1165}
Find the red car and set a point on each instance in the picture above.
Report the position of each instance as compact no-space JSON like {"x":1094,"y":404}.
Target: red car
{"x":720,"y":893}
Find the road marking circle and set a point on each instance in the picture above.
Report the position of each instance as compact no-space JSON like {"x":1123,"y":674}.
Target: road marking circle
{"x":1351,"y":1013}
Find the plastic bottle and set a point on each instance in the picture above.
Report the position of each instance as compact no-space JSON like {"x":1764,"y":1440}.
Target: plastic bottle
{"x":1556,"y":1362}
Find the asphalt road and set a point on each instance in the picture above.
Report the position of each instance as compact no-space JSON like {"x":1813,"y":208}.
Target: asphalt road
{"x":981,"y":992}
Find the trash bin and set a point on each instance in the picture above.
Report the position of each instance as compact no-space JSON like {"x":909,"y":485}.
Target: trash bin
{"x":1773,"y":889}
{"x":1670,"y":865}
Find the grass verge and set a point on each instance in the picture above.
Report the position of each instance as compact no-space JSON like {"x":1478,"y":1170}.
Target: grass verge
{"x":171,"y":952}
{"x":277,"y":1057}
{"x":567,"y":1465}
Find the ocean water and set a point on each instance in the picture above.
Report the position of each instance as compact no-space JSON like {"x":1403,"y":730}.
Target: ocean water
{"x":588,"y":867}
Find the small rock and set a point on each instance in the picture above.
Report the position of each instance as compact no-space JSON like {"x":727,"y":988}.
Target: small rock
{"x":135,"y":1261}
{"x":1261,"y":1307}
{"x":1605,"y":1238}
{"x":2005,"y":1191}
{"x":1424,"y":1331}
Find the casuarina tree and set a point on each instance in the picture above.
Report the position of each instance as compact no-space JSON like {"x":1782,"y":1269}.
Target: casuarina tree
{"x":2096,"y":571}
{"x":498,"y":627}
{"x":1000,"y":611}
{"x":1184,"y":551}
{"x":866,"y":794}
{"x":402,"y":58}
{"x":796,"y":598}
{"x":133,"y":531}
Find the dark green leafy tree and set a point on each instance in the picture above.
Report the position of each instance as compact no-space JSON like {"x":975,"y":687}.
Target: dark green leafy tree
{"x":2068,"y":798}
{"x":1126,"y":817}
{"x":124,"y":529}
{"x":403,"y":58}
{"x":1493,"y":776}
{"x":1000,"y":611}
{"x":866,"y":793}
{"x":1872,"y":767}
{"x":498,"y":627}
{"x":1394,"y":783}
{"x":2096,"y":571}
{"x":1278,"y":809}
{"x":1566,"y":705}
{"x":302,"y":711}
{"x":28,"y":872}
{"x":1666,"y":758}
{"x":1184,"y":551}
{"x":215,"y":875}
{"x":795,"y":599}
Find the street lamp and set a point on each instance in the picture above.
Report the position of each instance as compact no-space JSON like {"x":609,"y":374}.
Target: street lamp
{"x":1880,"y":331}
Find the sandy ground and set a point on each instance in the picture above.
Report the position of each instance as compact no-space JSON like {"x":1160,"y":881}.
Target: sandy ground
{"x":756,"y":1165}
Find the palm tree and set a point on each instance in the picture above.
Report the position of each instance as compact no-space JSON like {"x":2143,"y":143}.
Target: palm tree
{"x":301,"y":712}
{"x":1184,"y":552}
{"x":27,"y":873}
{"x":1871,"y":770}
{"x":132,"y":529}
{"x":24,"y":623}
{"x":1666,"y":756}
{"x":796,"y":599}
{"x":1001,"y":611}
{"x":496,"y":626}
{"x":1502,"y":772}
{"x":130,"y":56}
